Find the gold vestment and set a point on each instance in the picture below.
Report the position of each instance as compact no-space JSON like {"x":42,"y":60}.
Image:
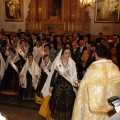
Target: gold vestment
{"x":100,"y":82}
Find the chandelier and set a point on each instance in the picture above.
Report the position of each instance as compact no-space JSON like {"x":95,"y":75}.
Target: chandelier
{"x":86,"y":3}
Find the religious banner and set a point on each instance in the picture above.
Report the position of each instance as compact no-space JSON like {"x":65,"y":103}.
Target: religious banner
{"x":107,"y":11}
{"x":13,"y":10}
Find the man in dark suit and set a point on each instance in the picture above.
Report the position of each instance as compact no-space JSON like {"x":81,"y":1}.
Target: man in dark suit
{"x":19,"y":33}
{"x":91,"y":57}
{"x":99,"y":38}
{"x":78,"y":53}
{"x":33,"y":41}
{"x":77,"y":37}
{"x":85,"y":38}
{"x":115,"y":42}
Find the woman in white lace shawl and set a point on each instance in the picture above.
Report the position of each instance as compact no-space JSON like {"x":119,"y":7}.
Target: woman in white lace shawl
{"x":45,"y":71}
{"x":10,"y":81}
{"x":29,"y":77}
{"x":61,"y":81}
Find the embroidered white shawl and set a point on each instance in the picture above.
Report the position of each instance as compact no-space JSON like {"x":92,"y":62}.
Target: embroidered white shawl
{"x":46,"y":68}
{"x":12,"y":61}
{"x":57,"y":64}
{"x":23,"y":54}
{"x":35,"y":72}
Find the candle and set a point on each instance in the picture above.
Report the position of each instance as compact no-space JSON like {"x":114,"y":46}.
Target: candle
{"x":68,"y":26}
{"x":33,"y":26}
{"x":40,"y":25}
{"x":64,"y":26}
{"x":36,"y":25}
{"x":72,"y":26}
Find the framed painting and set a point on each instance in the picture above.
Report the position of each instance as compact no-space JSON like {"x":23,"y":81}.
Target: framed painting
{"x":107,"y":11}
{"x":13,"y":10}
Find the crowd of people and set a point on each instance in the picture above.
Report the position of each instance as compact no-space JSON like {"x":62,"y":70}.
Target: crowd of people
{"x":54,"y":70}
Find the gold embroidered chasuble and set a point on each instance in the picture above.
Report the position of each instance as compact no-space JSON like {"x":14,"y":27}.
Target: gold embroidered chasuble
{"x":100,"y":82}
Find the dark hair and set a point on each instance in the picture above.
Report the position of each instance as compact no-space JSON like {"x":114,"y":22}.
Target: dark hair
{"x":45,"y":56}
{"x":101,"y":33}
{"x":114,"y":35}
{"x":50,"y":44}
{"x":93,"y":43}
{"x":51,"y":35}
{"x":102,"y":51}
{"x":22,"y":41}
{"x":85,"y":36}
{"x":112,"y":48}
{"x":63,"y":50}
{"x":39,"y":41}
{"x":19,"y":29}
{"x":71,"y":49}
{"x":30,"y":54}
{"x":34,"y":34}
{"x":46,"y":45}
{"x":3,"y":43}
{"x":13,"y":50}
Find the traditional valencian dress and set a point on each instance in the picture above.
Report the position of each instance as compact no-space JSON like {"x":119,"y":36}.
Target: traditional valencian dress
{"x":2,"y":68}
{"x":30,"y":75}
{"x":62,"y":99}
{"x":100,"y":82}
{"x":10,"y":81}
{"x":22,"y":54}
{"x":45,"y":71}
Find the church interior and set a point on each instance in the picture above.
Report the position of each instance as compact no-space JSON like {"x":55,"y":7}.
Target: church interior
{"x":59,"y":18}
{"x":69,"y":16}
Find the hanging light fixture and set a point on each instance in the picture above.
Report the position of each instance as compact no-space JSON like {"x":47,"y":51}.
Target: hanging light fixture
{"x":86,"y":3}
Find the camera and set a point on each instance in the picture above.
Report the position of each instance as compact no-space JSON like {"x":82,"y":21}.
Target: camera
{"x":115,"y":102}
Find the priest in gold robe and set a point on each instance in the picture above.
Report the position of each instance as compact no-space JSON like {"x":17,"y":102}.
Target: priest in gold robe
{"x":100,"y":82}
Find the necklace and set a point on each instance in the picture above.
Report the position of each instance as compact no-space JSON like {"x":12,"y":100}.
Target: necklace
{"x":64,"y":63}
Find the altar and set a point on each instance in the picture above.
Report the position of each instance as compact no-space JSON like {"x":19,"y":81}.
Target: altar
{"x":57,"y":15}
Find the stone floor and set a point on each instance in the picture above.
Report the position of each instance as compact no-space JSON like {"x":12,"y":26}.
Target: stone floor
{"x":15,"y":109}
